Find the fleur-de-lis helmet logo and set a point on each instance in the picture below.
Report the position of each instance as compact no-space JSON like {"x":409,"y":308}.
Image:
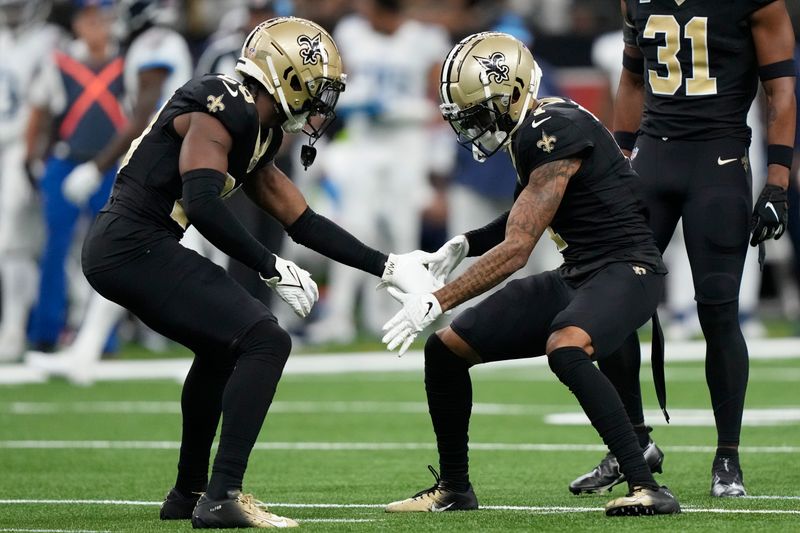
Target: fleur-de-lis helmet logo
{"x":494,"y":66}
{"x":310,"y":48}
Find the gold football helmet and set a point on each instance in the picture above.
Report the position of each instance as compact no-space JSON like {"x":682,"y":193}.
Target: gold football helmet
{"x":489,"y":81}
{"x":298,"y":63}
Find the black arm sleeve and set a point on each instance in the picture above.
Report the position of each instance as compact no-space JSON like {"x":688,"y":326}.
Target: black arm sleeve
{"x":207,"y":212}
{"x":484,"y":239}
{"x":331,"y":240}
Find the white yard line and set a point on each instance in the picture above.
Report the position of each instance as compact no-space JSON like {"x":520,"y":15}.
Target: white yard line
{"x":545,"y":509}
{"x":381,"y":361}
{"x":54,"y":530}
{"x":359,"y":446}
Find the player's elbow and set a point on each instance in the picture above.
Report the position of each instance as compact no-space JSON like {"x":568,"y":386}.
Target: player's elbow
{"x":518,"y":254}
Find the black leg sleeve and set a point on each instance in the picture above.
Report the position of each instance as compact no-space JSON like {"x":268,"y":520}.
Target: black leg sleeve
{"x":622,"y":369}
{"x":449,"y":390}
{"x":602,"y":405}
{"x":727,"y":368}
{"x":201,"y":407}
{"x":262,"y":355}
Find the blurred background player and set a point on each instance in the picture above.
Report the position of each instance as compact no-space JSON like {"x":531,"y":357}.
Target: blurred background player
{"x":692,"y":73}
{"x":24,"y":41}
{"x":157,"y":62}
{"x":380,"y":164}
{"x":82,"y":89}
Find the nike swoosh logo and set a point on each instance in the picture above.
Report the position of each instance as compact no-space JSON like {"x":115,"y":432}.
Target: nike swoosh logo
{"x":721,"y":161}
{"x":435,"y":508}
{"x":230,"y":90}
{"x":535,"y":124}
{"x":295,"y":276}
{"x":771,"y":207}
{"x":430,"y":306}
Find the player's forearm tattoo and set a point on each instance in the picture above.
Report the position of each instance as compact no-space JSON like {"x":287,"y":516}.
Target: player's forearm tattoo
{"x":532,"y":212}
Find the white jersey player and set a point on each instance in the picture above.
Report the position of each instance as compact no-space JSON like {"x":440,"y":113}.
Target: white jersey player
{"x":381,"y":166}
{"x":157,"y":62}
{"x":24,"y":43}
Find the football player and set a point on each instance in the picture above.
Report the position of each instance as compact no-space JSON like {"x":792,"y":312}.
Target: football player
{"x":25,"y":41}
{"x":573,"y":182}
{"x":213,"y":136}
{"x":690,"y":73}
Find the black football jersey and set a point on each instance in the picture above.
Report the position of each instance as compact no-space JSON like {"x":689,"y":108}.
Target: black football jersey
{"x":701,"y":71}
{"x":601,"y":218}
{"x":149,"y":186}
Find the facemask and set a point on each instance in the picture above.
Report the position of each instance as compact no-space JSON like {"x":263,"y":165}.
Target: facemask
{"x":487,"y":143}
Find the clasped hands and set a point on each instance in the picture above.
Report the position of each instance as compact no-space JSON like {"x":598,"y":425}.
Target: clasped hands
{"x":413,"y":287}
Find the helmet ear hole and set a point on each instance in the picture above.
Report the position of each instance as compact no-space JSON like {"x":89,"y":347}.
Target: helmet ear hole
{"x":515,"y":95}
{"x":294,"y":83}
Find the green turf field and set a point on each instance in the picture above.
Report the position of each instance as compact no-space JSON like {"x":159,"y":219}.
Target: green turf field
{"x":336,"y":447}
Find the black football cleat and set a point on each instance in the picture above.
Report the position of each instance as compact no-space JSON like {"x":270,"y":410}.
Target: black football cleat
{"x":176,"y":506}
{"x":236,"y":511}
{"x":606,"y":475}
{"x":643,"y":501}
{"x":436,"y":499}
{"x":727,"y":480}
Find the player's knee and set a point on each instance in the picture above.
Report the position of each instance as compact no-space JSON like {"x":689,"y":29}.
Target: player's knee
{"x":718,"y":318}
{"x":570,"y":336}
{"x":439,"y":355}
{"x":266,"y":339}
{"x":564,"y":360}
{"x":454,"y":344}
{"x":718,"y":288}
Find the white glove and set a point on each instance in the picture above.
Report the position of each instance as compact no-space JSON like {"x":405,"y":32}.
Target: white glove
{"x":81,"y":183}
{"x":418,"y":312}
{"x":294,"y":286}
{"x":407,"y":272}
{"x":444,"y":260}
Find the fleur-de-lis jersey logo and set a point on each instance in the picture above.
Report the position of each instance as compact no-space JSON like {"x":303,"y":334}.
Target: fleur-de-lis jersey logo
{"x":215,"y":103}
{"x":494,"y":66}
{"x":547,"y":142}
{"x":310,"y":48}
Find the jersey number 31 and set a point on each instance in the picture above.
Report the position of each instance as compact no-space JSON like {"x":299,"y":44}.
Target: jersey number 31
{"x":696,"y":30}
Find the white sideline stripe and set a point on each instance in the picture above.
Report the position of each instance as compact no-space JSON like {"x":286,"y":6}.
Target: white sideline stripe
{"x":533,"y":508}
{"x":379,"y":361}
{"x":359,"y":446}
{"x":54,"y":530}
{"x":337,"y":520}
{"x":770,"y":497}
{"x":692,"y":417}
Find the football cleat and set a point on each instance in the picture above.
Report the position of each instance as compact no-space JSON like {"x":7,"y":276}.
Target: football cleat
{"x":643,"y":501}
{"x":235,"y":511}
{"x":727,"y":478}
{"x":438,"y":498}
{"x":176,"y":506}
{"x":606,"y":475}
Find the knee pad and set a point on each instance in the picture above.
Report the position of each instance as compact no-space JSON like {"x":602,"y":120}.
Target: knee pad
{"x":718,"y":288}
{"x":717,"y":319}
{"x":265,"y":339}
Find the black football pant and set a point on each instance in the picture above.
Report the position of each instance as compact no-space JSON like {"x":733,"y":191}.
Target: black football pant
{"x":240,"y":350}
{"x":707,"y":185}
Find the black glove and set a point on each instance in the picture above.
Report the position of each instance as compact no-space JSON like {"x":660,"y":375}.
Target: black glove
{"x":770,"y":214}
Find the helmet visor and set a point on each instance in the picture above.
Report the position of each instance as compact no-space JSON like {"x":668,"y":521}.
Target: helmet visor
{"x":320,"y":108}
{"x":477,"y":127}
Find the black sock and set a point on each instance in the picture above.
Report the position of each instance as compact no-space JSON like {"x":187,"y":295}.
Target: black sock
{"x":201,"y":407}
{"x":643,"y":435}
{"x":247,"y":397}
{"x":449,"y":390}
{"x":622,"y":369}
{"x":724,"y":452}
{"x":727,"y":368}
{"x":602,"y":405}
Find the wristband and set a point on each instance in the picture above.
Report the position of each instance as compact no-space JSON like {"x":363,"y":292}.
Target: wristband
{"x":625,"y":139}
{"x":780,"y":154}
